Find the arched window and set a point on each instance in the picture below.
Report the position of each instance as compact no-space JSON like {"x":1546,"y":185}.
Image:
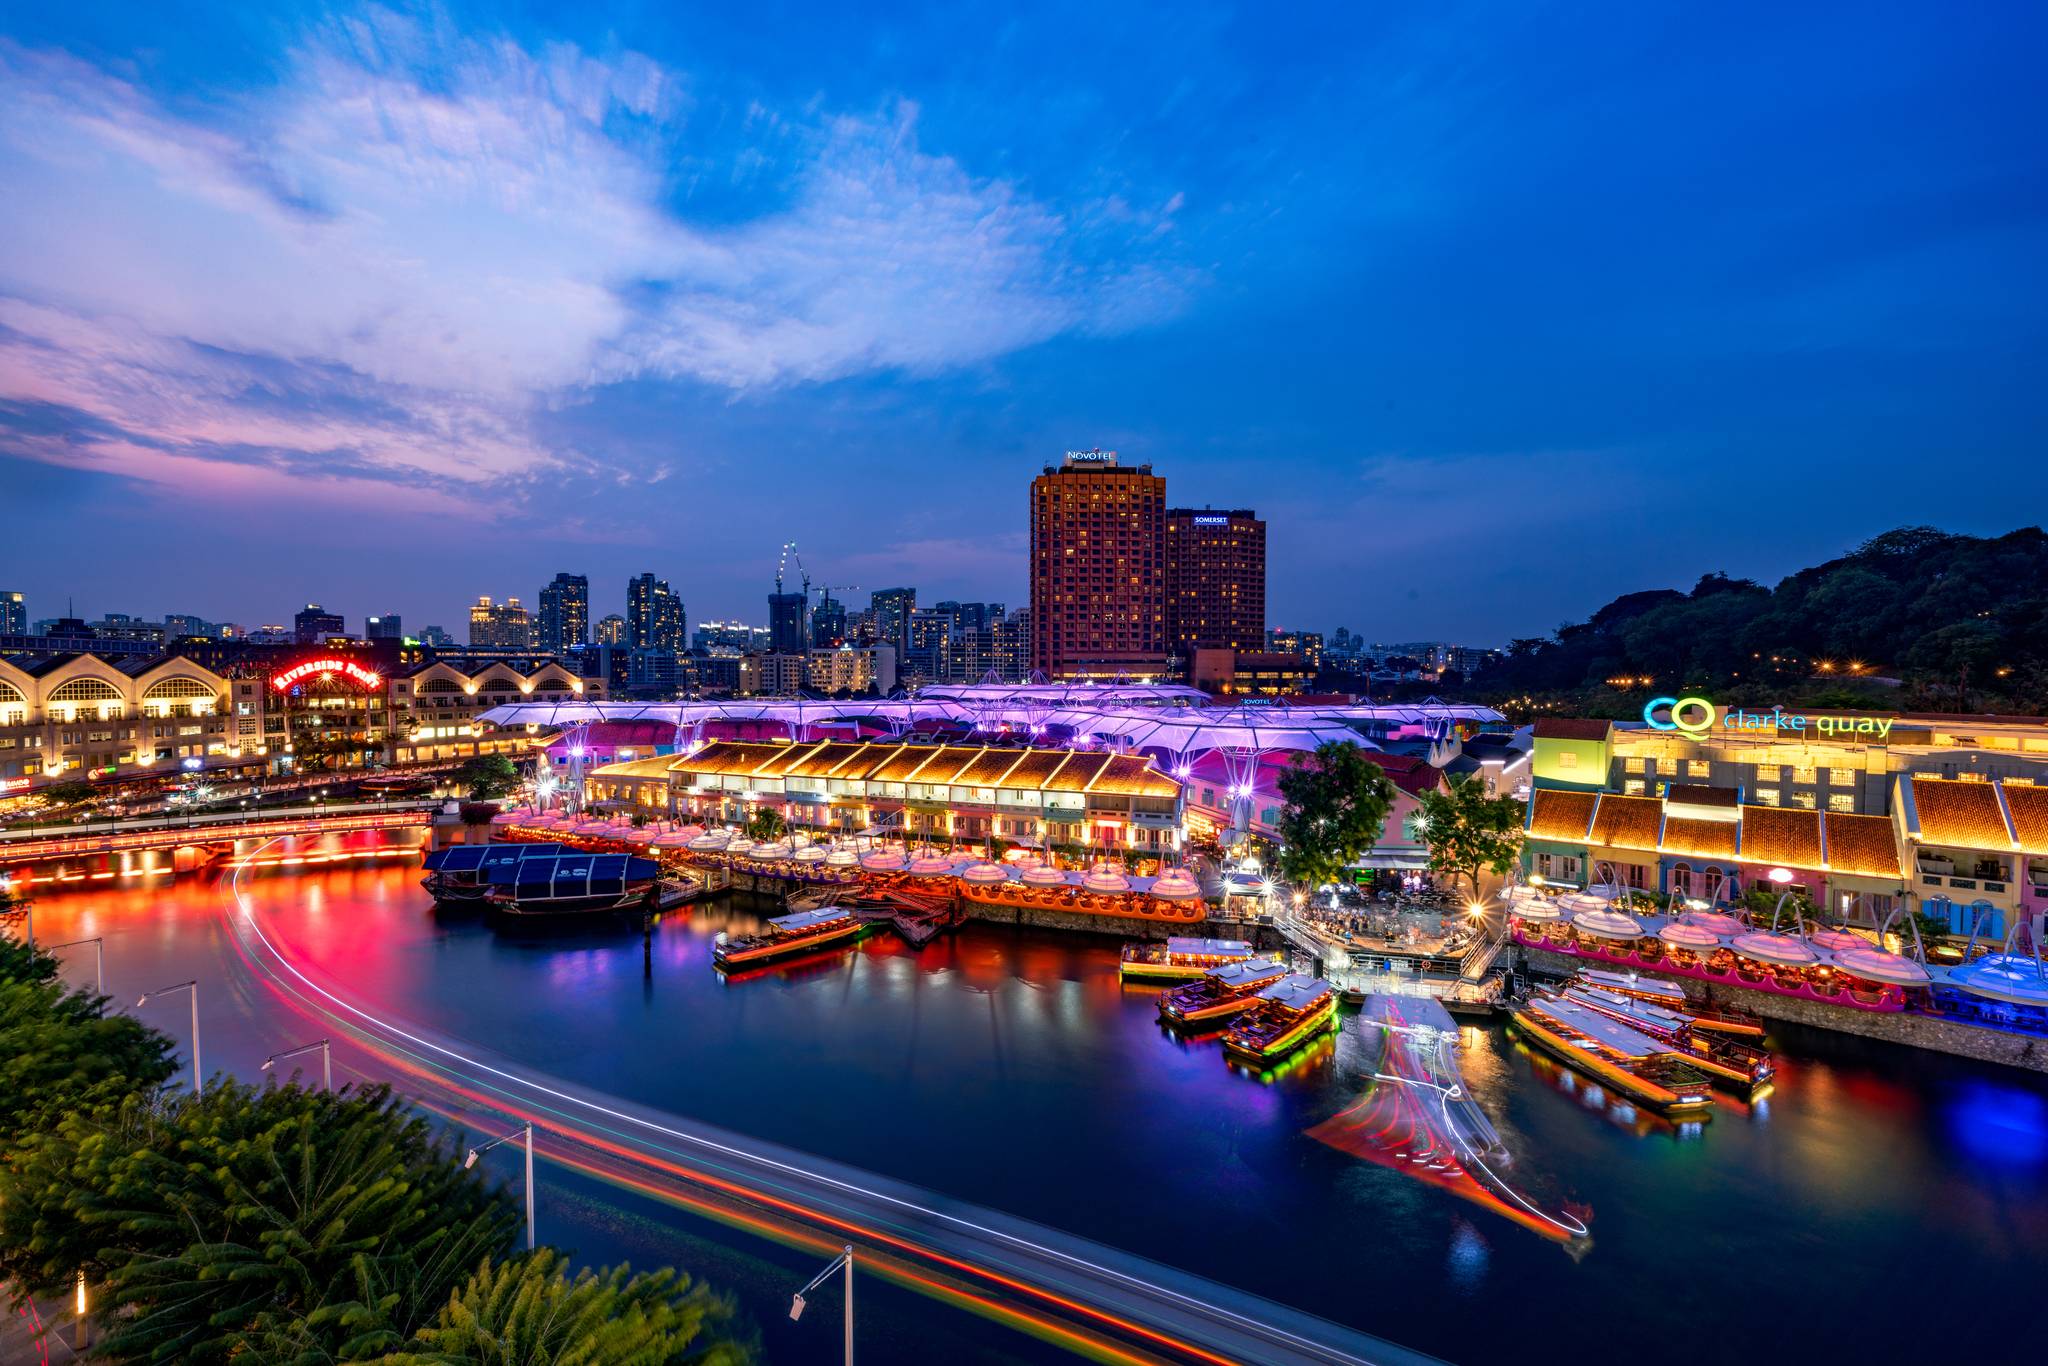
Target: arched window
{"x":178,"y":697}
{"x":85,"y":697}
{"x":440,"y":685}
{"x":13,"y":706}
{"x":1681,"y":880}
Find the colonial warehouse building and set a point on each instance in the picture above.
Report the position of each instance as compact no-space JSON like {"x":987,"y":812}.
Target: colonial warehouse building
{"x":67,"y":717}
{"x":1057,"y":798}
{"x":1946,"y":814}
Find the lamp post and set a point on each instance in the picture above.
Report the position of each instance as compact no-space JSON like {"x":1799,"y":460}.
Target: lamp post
{"x":99,"y":960}
{"x":475,"y":1153}
{"x":796,"y":1303}
{"x":326,"y":1061}
{"x":193,"y":987}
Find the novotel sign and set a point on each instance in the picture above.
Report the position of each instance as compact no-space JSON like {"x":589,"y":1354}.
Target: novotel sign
{"x":1097,"y":457}
{"x":1697,"y":716}
{"x":347,"y":668}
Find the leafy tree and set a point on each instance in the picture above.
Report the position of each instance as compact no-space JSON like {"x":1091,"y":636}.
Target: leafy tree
{"x":68,"y":793}
{"x":1336,"y":805}
{"x":530,"y":1312}
{"x":59,"y":1049}
{"x":488,"y":777}
{"x":766,"y":824}
{"x":275,"y":1225}
{"x":1468,"y":832}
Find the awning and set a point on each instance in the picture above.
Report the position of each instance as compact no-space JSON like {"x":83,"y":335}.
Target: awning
{"x":1397,"y":860}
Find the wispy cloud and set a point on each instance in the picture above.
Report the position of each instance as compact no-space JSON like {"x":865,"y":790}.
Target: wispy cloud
{"x":377,"y":271}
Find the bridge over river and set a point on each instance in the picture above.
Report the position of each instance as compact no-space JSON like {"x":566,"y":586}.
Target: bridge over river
{"x":104,"y":841}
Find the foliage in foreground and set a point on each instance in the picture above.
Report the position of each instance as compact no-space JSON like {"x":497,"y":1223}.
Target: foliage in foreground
{"x":1468,"y":832}
{"x":60,"y":1052}
{"x":530,"y":1312}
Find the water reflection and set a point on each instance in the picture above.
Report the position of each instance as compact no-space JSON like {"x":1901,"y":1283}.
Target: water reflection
{"x":1013,"y":1068}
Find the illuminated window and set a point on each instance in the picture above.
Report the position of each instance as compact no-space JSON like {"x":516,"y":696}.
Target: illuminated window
{"x":1767,"y":796}
{"x":1841,"y":801}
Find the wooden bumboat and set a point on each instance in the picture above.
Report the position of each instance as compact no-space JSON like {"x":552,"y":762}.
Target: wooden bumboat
{"x":1285,"y":1016}
{"x":1181,"y":959}
{"x":1718,"y":1055}
{"x":1644,"y":1069}
{"x":1220,"y":994}
{"x":826,"y":927}
{"x":1660,"y":991}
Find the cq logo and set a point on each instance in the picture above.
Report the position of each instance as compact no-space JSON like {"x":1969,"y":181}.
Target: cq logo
{"x":1693,"y":715}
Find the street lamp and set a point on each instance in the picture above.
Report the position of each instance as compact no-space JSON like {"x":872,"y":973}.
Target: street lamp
{"x":796,"y":1304}
{"x":326,"y":1061}
{"x":193,"y":987}
{"x":99,"y":960}
{"x":475,"y":1153}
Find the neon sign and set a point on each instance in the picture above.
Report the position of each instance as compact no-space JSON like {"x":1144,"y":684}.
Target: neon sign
{"x":368,"y":678}
{"x":1696,"y":716}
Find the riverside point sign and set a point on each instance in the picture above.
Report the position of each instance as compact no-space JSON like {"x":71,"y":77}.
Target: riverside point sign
{"x":1697,"y":716}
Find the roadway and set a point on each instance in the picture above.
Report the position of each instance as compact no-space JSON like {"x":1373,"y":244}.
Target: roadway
{"x":1111,"y":1304}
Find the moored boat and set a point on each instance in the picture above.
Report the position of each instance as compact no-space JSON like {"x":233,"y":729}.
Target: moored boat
{"x":1221,"y":993}
{"x":1181,"y":959}
{"x":460,"y":874}
{"x":825,"y":927}
{"x":1646,"y":1070}
{"x":574,"y":883}
{"x":1718,"y":1055}
{"x":1663,"y":992}
{"x":1284,"y":1016}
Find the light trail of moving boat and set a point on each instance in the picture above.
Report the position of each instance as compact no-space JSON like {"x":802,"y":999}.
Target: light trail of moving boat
{"x":1109,"y":1290}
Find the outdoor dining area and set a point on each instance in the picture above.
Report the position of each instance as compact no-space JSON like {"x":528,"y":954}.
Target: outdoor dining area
{"x":1605,"y":923}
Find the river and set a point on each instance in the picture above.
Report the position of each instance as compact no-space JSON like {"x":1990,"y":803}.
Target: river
{"x":1879,"y":1204}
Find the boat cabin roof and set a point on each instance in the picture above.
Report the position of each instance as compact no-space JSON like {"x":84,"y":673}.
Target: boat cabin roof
{"x":468,"y":858}
{"x":1617,"y":1037}
{"x":1296,"y":991}
{"x":1236,"y":974}
{"x":804,"y":920}
{"x":1647,"y":1011}
{"x":1209,"y":946}
{"x":571,"y":873}
{"x":1623,"y":981}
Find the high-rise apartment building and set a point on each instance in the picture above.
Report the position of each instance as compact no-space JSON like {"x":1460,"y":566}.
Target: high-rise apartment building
{"x":1215,"y":581}
{"x":654,"y":615}
{"x":315,"y":623}
{"x":390,"y":626}
{"x":499,"y":626}
{"x":610,"y":630}
{"x":13,"y":614}
{"x":1098,"y":568}
{"x":828,"y":623}
{"x":564,"y":614}
{"x":891,"y":609}
{"x":787,"y":629}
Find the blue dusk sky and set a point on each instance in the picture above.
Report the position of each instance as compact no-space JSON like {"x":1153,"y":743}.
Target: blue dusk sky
{"x":1492,"y":311}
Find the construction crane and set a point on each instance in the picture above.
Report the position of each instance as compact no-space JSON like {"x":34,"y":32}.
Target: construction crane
{"x":826,"y":590}
{"x":782,"y":567}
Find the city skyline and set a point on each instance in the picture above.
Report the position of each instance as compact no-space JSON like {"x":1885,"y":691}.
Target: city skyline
{"x":1437,"y":302}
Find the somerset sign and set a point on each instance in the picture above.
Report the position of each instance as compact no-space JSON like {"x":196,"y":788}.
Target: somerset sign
{"x":347,"y":668}
{"x":1697,"y":716}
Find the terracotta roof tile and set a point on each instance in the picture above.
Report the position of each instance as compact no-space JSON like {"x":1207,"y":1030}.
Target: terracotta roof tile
{"x":2029,"y":807}
{"x":829,"y":759}
{"x":1035,"y":767}
{"x":1957,"y":813}
{"x":1627,"y":822}
{"x":1077,"y":772}
{"x":1863,"y":845}
{"x":1781,"y":835}
{"x":1700,"y":839}
{"x":1130,"y":776}
{"x":989,"y":766}
{"x":789,"y":758}
{"x":905,"y":761}
{"x":1559,"y":815}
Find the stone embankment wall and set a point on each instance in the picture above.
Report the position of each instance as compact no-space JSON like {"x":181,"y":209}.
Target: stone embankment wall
{"x":1046,"y":918}
{"x":1915,"y":1031}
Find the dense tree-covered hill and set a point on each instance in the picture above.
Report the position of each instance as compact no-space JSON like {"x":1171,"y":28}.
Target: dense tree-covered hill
{"x":1961,"y":622}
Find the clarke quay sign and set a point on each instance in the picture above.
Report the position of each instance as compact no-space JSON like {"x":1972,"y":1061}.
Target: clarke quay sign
{"x":1697,"y":716}
{"x":347,"y":668}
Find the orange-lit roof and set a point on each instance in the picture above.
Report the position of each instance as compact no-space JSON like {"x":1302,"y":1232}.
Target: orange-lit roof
{"x":656,"y":766}
{"x":1963,"y":814}
{"x":789,"y":758}
{"x":2029,"y":807}
{"x":829,"y":759}
{"x":728,"y":756}
{"x":1783,"y":835}
{"x":1700,"y":839}
{"x":901,"y":765}
{"x":1131,"y":776}
{"x":987,"y":768}
{"x":1864,"y":845}
{"x":1034,"y":768}
{"x":1627,"y":822}
{"x":1561,"y":815}
{"x":1077,"y":772}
